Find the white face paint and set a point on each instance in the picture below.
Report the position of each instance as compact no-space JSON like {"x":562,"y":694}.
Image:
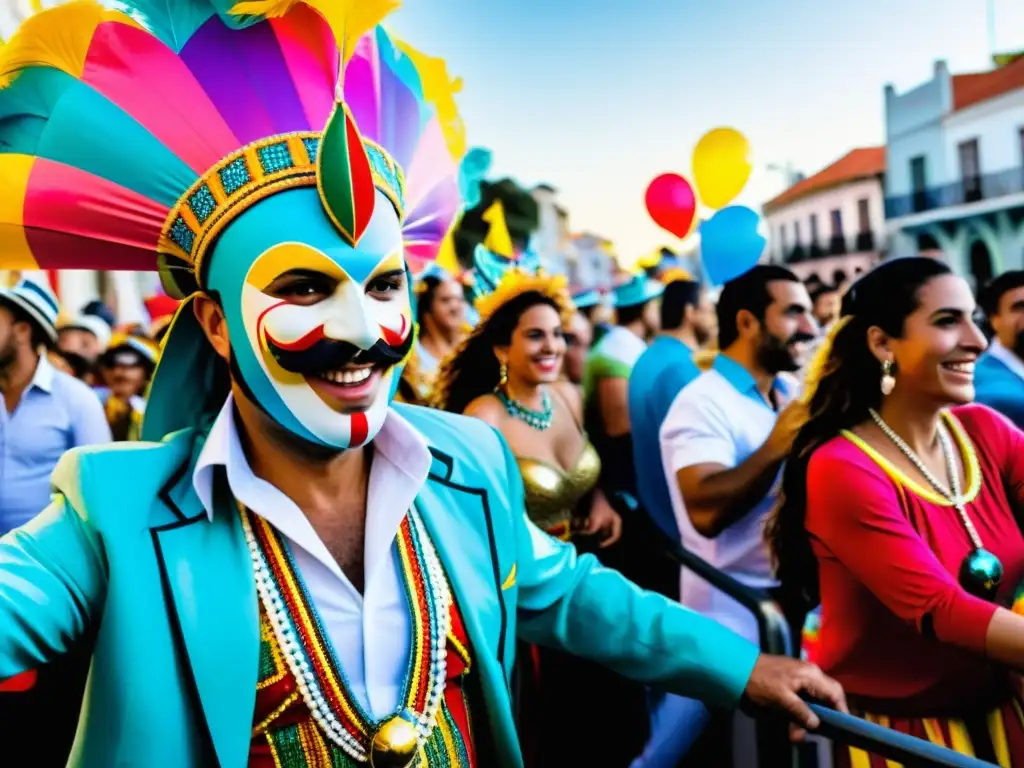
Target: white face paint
{"x":298,"y":302}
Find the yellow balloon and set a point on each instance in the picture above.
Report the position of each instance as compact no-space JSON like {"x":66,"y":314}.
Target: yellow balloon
{"x":721,"y":166}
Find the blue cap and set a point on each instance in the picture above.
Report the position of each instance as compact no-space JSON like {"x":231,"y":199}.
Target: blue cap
{"x":433,"y":270}
{"x":586,"y":299}
{"x":639,"y":290}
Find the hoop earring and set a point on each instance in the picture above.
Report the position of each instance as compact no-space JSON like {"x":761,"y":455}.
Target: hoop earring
{"x":888,"y":382}
{"x":503,"y":374}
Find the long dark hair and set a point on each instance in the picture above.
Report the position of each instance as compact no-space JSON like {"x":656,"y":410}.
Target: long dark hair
{"x":847,"y":386}
{"x":425,"y":297}
{"x":472,"y":369}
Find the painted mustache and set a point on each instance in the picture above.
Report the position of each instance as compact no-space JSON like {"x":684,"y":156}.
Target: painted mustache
{"x":330,"y":355}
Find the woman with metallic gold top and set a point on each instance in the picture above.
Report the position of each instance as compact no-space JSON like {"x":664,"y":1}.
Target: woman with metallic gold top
{"x":507,"y":374}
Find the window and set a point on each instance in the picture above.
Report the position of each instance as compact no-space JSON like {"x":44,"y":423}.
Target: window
{"x":837,"y":223}
{"x":814,"y":229}
{"x":782,"y":240}
{"x":837,"y":245}
{"x":970,"y":170}
{"x":919,"y":183}
{"x":797,"y":240}
{"x":863,"y":216}
{"x":1022,"y":146}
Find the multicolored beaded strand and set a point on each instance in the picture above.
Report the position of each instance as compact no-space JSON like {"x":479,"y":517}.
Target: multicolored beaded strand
{"x":427,"y":588}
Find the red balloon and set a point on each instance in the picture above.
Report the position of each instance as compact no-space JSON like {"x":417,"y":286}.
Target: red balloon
{"x":672,"y":204}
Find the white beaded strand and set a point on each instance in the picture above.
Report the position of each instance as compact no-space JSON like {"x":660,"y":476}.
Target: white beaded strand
{"x":441,"y":599}
{"x":304,"y":677}
{"x":951,"y":494}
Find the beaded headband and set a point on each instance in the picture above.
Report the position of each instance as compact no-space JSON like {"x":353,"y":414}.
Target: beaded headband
{"x":345,"y":168}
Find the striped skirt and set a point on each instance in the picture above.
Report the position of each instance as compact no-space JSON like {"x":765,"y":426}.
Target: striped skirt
{"x":996,"y":737}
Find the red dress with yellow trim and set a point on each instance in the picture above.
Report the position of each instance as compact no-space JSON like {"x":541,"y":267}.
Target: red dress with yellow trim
{"x":305,"y":715}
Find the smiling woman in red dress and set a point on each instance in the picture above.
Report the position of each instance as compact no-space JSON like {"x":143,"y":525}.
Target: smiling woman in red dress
{"x":898,"y":514}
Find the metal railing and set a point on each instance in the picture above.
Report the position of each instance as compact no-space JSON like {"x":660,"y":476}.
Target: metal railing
{"x":774,"y":747}
{"x":988,"y":186}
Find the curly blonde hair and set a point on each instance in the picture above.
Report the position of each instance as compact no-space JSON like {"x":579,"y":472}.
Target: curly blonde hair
{"x":472,"y":370}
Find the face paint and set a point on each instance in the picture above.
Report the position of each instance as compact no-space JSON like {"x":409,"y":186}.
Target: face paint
{"x":319,"y":329}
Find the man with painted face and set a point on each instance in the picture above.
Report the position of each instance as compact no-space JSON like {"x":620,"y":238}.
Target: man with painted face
{"x":292,"y":571}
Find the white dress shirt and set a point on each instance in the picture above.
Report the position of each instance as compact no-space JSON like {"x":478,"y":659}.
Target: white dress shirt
{"x":721,"y":418}
{"x":371,"y":633}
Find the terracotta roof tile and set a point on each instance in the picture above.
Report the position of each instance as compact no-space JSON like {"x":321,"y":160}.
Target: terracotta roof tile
{"x":861,"y":163}
{"x":969,"y":90}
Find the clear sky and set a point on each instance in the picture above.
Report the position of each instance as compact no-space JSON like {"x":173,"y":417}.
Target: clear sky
{"x":596,"y":97}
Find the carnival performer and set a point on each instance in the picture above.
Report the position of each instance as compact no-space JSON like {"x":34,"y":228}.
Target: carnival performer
{"x":290,"y":572}
{"x":898,"y":512}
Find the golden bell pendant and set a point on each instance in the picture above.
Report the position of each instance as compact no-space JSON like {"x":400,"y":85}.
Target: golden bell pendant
{"x":394,"y":744}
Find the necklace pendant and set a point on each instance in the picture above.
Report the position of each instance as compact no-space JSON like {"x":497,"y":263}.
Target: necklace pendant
{"x":981,"y":574}
{"x":394,"y":745}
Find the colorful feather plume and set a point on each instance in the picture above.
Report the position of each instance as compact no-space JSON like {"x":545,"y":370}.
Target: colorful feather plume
{"x":350,"y":19}
{"x":393,"y":106}
{"x":108,"y":116}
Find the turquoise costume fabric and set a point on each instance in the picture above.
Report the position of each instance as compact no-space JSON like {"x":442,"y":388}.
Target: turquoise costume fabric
{"x":126,"y":548}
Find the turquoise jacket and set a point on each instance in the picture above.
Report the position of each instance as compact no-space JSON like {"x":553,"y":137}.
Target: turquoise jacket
{"x":127,"y":550}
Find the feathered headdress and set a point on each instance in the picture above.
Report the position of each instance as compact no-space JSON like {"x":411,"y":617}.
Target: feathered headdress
{"x":137,"y":133}
{"x":500,"y":273}
{"x":131,"y":137}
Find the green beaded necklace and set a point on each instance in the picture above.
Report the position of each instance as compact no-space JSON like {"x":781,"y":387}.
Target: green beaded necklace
{"x":537,"y":419}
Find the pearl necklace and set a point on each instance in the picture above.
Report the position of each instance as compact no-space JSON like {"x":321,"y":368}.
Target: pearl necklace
{"x":952,"y":493}
{"x":302,"y":672}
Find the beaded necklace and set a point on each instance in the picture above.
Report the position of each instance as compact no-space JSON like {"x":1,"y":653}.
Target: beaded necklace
{"x":981,"y":572}
{"x":537,"y":419}
{"x":312,"y":661}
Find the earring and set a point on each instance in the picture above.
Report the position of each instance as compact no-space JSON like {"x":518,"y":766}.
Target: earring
{"x":888,"y":380}
{"x":503,"y":374}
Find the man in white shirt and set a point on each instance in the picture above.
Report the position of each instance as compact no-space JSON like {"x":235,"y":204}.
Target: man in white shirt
{"x":722,"y":446}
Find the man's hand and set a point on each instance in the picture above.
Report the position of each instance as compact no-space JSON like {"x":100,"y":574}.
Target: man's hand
{"x":778,"y":681}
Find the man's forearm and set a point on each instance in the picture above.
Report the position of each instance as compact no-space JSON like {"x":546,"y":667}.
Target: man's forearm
{"x":722,"y":498}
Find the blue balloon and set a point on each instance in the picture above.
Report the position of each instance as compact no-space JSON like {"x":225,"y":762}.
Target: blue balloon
{"x":730,"y":243}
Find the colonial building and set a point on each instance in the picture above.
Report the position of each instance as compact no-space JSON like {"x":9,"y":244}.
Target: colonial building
{"x":955,"y":169}
{"x":552,"y":240}
{"x":595,"y":266}
{"x":831,"y":225}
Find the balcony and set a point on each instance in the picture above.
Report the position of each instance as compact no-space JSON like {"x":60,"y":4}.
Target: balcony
{"x":989,"y":186}
{"x":795,"y":255}
{"x":837,"y":245}
{"x":865,"y":242}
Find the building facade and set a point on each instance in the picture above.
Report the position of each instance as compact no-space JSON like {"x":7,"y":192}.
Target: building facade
{"x":552,"y":241}
{"x":954,"y":180}
{"x":831,"y":225}
{"x":595,"y":267}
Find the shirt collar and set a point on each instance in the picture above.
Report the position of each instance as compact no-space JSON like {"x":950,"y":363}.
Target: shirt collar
{"x":43,"y":377}
{"x":398,"y":441}
{"x":1006,"y":357}
{"x":743,"y":381}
